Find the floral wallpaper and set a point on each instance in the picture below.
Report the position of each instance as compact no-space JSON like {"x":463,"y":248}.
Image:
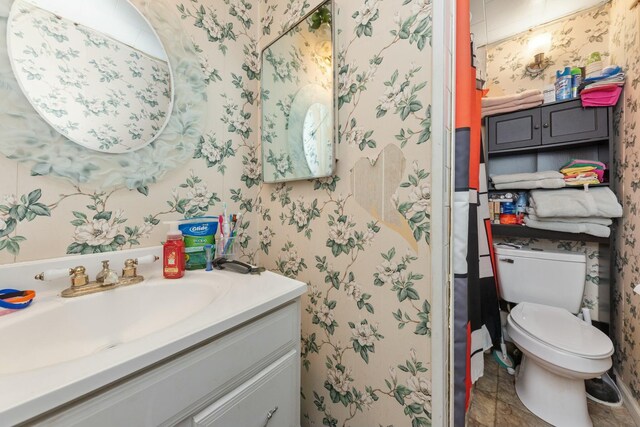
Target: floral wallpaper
{"x":95,"y":90}
{"x":366,"y":320}
{"x":573,"y":39}
{"x":205,"y":156}
{"x":625,"y":51}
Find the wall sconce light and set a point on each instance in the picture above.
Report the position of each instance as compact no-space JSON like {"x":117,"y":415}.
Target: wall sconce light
{"x":537,"y":67}
{"x":538,"y":45}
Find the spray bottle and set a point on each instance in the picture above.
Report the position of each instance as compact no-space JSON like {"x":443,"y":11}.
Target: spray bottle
{"x":173,"y":262}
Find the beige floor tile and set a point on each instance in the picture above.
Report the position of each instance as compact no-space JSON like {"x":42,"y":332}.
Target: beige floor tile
{"x":510,"y":416}
{"x":601,"y":415}
{"x":483,"y":407}
{"x":622,"y":417}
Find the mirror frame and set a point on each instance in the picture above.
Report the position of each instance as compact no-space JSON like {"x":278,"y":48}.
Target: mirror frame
{"x":334,"y":92}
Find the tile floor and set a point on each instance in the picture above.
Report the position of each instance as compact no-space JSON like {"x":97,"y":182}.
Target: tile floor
{"x":494,"y":403}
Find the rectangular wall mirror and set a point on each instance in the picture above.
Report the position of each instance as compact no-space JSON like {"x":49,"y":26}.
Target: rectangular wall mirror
{"x":298,"y":100}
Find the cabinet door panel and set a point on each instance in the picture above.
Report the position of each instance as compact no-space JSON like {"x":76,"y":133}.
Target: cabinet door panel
{"x":268,"y":399}
{"x":569,"y":122}
{"x":514,"y":130}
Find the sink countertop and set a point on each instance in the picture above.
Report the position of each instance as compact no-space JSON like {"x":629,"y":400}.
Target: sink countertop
{"x":26,"y":394}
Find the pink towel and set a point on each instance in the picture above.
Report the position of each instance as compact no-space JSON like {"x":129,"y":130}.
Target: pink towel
{"x":602,"y":97}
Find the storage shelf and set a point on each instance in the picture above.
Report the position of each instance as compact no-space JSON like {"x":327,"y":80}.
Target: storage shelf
{"x":505,"y":230}
{"x":549,"y":147}
{"x":577,"y":187}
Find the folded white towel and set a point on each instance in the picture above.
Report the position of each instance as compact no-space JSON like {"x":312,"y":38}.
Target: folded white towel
{"x":531,"y":213}
{"x":576,"y":227}
{"x":598,"y":202}
{"x":494,"y":101}
{"x":509,"y":108}
{"x":530,"y":185}
{"x":530,"y":176}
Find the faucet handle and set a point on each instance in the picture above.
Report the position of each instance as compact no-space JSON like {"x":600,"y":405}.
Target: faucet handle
{"x":79,"y":277}
{"x":54,"y":274}
{"x":147,"y":259}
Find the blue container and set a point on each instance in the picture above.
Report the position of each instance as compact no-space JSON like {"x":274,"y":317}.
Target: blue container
{"x":563,"y":84}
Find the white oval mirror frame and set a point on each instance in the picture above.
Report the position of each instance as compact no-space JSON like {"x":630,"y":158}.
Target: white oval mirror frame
{"x":112,"y":91}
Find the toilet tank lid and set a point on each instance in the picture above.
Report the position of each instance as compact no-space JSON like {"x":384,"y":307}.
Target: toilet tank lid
{"x":540,"y":254}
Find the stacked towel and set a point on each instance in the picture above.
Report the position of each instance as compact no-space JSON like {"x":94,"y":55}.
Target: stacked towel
{"x":573,"y":211}
{"x":583,"y":172}
{"x":505,"y":104}
{"x":528,"y":181}
{"x":604,"y":89}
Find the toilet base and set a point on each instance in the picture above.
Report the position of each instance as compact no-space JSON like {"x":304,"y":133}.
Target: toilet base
{"x":558,"y":400}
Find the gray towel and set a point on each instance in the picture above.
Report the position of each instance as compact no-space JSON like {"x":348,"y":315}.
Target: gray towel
{"x":596,"y":202}
{"x":571,"y":219}
{"x":530,"y":185}
{"x":576,"y":227}
{"x":530,"y":176}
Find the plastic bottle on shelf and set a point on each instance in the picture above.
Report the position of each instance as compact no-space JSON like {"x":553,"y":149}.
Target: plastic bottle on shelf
{"x":563,"y":84}
{"x":576,"y":79}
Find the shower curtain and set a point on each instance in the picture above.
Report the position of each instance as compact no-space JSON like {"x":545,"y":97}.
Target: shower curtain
{"x":475,"y":302}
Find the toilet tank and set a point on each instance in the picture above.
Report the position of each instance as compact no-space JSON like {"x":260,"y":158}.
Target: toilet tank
{"x":545,"y":277}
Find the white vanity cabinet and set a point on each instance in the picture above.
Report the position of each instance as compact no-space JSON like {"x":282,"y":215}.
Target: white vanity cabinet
{"x":246,"y":377}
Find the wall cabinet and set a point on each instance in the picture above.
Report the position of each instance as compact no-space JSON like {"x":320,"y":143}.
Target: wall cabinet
{"x":562,"y":122}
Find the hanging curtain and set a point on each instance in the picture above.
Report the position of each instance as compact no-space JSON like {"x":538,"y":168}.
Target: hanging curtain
{"x":476,"y":322}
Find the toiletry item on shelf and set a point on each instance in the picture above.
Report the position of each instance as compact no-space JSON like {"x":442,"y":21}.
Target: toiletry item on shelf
{"x":173,"y":256}
{"x":549,"y":94}
{"x":508,"y":213}
{"x":576,"y":79}
{"x":521,"y":207}
{"x":198,"y":232}
{"x":563,"y":84}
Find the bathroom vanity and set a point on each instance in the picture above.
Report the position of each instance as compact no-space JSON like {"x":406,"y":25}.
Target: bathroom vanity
{"x":213,"y":349}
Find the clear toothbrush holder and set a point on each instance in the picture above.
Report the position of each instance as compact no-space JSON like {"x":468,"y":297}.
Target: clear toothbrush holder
{"x":226,"y":248}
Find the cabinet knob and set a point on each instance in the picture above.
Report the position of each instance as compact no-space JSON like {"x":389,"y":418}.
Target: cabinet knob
{"x":270,"y":415}
{"x":536,"y":126}
{"x":546,"y":125}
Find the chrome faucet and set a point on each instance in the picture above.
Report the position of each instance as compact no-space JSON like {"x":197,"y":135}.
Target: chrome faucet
{"x":105,"y":280}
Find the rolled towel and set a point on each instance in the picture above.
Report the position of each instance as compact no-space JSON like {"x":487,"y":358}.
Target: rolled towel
{"x":530,"y":185}
{"x":570,"y":219}
{"x":576,"y":227}
{"x":531,"y":176}
{"x":598,"y":202}
{"x":495,"y":101}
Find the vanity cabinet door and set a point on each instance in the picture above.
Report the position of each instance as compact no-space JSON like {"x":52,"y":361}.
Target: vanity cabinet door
{"x":266,"y":400}
{"x":520,"y":129}
{"x":570,"y":121}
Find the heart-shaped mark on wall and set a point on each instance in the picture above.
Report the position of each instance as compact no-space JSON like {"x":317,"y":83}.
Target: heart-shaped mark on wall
{"x":373,"y":185}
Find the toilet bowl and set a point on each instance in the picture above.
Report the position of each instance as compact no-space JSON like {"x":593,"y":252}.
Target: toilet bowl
{"x":559,"y":350}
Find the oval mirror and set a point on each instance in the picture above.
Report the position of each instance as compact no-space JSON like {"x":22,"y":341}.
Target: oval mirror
{"x":316,"y":136}
{"x":96,"y":71}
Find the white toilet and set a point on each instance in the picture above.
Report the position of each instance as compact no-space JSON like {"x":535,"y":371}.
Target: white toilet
{"x":559,"y":350}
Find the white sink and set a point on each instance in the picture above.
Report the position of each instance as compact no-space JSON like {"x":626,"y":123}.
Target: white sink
{"x":69,"y":329}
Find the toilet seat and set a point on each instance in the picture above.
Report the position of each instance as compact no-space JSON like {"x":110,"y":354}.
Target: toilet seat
{"x":558,"y":328}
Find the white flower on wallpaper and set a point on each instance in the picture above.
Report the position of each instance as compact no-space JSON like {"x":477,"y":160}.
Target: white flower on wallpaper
{"x":116,"y":101}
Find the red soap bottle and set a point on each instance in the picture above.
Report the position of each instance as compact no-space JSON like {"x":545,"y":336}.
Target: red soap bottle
{"x":173,"y":263}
